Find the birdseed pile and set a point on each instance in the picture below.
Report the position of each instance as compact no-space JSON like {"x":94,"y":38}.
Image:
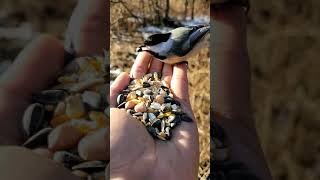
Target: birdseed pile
{"x":68,"y":123}
{"x":151,"y":101}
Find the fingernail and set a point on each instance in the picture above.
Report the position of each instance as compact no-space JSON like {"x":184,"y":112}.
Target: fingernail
{"x":185,"y":63}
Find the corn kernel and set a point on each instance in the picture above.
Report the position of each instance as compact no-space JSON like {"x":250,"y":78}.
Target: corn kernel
{"x":56,"y":121}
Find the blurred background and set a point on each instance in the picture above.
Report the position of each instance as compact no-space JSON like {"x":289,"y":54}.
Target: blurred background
{"x":132,"y":21}
{"x":21,"y":21}
{"x":284,"y":44}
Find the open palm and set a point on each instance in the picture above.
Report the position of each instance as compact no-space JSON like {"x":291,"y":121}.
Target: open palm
{"x":135,"y":154}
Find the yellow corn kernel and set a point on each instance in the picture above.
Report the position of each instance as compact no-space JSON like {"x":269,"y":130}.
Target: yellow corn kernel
{"x":141,"y":99}
{"x":162,"y":134}
{"x":95,"y":64}
{"x":99,"y":118}
{"x":84,"y":129}
{"x":161,"y":116}
{"x":131,"y":96}
{"x":56,"y":121}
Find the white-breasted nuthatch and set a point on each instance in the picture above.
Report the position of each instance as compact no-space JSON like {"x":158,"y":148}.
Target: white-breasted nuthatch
{"x":178,"y":44}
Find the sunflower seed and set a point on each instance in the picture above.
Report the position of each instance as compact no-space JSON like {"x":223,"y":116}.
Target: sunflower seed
{"x":121,"y":98}
{"x":50,"y":96}
{"x":145,"y":84}
{"x":40,"y":138}
{"x":91,"y":166}
{"x":152,"y":131}
{"x":34,"y":119}
{"x":122,"y":105}
{"x":145,"y":117}
{"x":151,"y":116}
{"x":67,"y":159}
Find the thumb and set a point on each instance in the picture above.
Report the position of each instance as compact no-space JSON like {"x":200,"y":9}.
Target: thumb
{"x":118,"y":85}
{"x":88,"y":29}
{"x":35,"y":66}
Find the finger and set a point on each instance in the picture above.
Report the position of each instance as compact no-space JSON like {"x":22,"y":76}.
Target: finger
{"x":155,"y":65}
{"x":179,"y":82}
{"x":118,"y":85}
{"x":88,"y":29}
{"x":141,"y":65}
{"x":167,"y":73}
{"x":35,"y":67}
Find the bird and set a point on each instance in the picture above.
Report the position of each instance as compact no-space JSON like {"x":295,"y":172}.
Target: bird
{"x":177,"y":45}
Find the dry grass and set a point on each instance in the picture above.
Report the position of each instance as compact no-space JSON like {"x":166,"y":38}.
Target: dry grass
{"x":125,"y":39}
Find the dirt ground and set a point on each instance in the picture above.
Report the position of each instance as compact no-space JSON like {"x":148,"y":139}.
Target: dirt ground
{"x":283,"y":43}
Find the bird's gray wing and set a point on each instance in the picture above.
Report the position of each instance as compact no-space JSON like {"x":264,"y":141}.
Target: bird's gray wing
{"x":198,"y":34}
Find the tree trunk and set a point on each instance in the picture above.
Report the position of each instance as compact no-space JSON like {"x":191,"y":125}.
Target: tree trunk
{"x":167,"y":10}
{"x":185,"y":9}
{"x":158,"y":12}
{"x":143,"y":13}
{"x":192,"y":9}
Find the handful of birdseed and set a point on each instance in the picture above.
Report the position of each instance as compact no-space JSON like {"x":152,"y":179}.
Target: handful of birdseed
{"x":68,"y":122}
{"x":151,"y":101}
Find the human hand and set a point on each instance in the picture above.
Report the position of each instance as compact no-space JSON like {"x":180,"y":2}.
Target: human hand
{"x":36,"y":67}
{"x":40,"y":62}
{"x":135,"y":154}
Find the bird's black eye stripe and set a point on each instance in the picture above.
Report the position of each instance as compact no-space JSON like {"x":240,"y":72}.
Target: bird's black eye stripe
{"x":156,"y":39}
